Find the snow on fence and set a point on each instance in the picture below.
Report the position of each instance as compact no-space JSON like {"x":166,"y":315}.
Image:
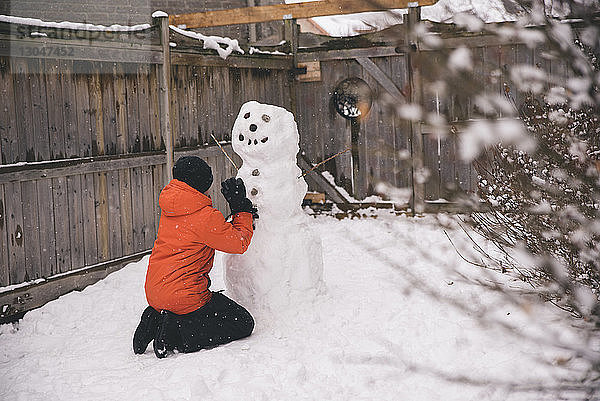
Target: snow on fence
{"x":83,"y":159}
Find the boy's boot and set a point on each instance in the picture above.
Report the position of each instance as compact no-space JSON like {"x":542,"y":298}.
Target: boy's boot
{"x":146,"y":330}
{"x":165,"y":339}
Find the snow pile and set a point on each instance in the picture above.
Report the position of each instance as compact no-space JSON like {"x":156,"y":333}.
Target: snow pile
{"x":213,"y":42}
{"x":284,"y":264}
{"x":159,"y":14}
{"x":72,"y":25}
{"x":376,"y":335}
{"x":254,"y":50}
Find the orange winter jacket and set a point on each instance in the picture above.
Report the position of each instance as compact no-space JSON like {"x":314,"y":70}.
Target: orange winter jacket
{"x":190,"y":230}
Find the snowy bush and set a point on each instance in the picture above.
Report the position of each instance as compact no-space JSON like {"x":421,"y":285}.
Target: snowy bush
{"x":537,"y":158}
{"x":547,"y":201}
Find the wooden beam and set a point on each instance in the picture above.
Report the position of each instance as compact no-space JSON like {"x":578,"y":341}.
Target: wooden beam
{"x":315,"y":178}
{"x":88,"y":165}
{"x":14,"y":303}
{"x":344,"y":54}
{"x":163,"y":96}
{"x":250,"y":15}
{"x":266,"y":62}
{"x":415,"y":97}
{"x":79,"y":50}
{"x":381,"y":78}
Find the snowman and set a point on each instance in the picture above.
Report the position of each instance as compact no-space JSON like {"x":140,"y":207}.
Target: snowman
{"x":284,"y":264}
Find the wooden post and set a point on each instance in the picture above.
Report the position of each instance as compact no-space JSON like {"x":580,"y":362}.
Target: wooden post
{"x":291,"y":36}
{"x":354,"y":127}
{"x":415,"y":97}
{"x":164,"y":93}
{"x":251,"y":27}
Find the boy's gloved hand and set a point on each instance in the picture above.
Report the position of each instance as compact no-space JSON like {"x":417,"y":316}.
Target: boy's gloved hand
{"x":234,"y":192}
{"x":233,"y":188}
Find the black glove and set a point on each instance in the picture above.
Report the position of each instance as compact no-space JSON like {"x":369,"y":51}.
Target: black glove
{"x":233,"y":188}
{"x":234,"y":192}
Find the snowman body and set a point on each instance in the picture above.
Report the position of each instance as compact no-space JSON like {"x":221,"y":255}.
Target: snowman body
{"x":283,"y":264}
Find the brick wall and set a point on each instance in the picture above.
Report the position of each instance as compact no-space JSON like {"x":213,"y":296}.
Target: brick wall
{"x":131,"y":12}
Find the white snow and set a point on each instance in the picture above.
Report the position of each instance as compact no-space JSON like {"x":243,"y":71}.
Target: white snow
{"x":284,"y":263}
{"x":443,"y":11}
{"x":410,"y":111}
{"x":254,"y":50}
{"x":213,"y":42}
{"x":460,"y":60}
{"x":331,"y":179}
{"x":159,"y":14}
{"x":378,"y":334}
{"x":71,"y":25}
{"x":528,"y":78}
{"x":482,"y":133}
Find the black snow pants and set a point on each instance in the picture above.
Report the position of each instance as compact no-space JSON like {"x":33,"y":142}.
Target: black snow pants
{"x":218,"y":322}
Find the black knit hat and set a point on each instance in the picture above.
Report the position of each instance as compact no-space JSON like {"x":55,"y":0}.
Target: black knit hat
{"x":193,"y":171}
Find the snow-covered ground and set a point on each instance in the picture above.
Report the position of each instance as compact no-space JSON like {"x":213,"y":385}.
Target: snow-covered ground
{"x":378,"y":334}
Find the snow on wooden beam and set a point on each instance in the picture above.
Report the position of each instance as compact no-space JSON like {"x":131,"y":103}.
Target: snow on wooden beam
{"x":250,"y":15}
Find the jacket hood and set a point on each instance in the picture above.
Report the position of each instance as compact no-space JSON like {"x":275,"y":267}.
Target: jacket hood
{"x":178,"y":199}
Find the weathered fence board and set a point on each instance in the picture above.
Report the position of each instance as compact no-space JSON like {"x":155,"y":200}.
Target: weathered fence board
{"x":115,"y":243}
{"x":121,"y":110}
{"x":4,"y":261}
{"x":82,"y":108}
{"x":24,"y":112}
{"x":61,"y":225}
{"x":46,"y":228}
{"x":110,"y":122}
{"x":39,"y":109}
{"x":71,"y":130}
{"x":14,"y":225}
{"x":90,"y":234}
{"x":102,"y":217}
{"x":31,"y":233}
{"x":149,"y":199}
{"x":75,"y":221}
{"x":126,"y":211}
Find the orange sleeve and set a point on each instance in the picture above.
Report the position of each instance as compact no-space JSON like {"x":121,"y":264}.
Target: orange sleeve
{"x":227,"y":237}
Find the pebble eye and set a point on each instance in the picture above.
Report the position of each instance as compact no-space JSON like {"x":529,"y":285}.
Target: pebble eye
{"x":247,"y":115}
{"x":253,"y":127}
{"x":241,"y":137}
{"x":255,"y":141}
{"x":266,"y":118}
{"x":265,"y":139}
{"x":249,"y":141}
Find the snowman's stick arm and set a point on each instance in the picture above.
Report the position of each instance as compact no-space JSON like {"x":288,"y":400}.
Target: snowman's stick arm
{"x":223,"y":150}
{"x":325,"y":161}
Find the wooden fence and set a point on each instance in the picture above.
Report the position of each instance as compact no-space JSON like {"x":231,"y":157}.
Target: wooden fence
{"x":83,"y":158}
{"x":386,"y":148}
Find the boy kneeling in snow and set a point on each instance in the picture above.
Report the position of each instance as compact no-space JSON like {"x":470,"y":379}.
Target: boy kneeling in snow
{"x":183,"y":313}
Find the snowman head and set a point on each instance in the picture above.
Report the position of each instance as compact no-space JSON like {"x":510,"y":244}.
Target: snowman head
{"x":263,"y":132}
